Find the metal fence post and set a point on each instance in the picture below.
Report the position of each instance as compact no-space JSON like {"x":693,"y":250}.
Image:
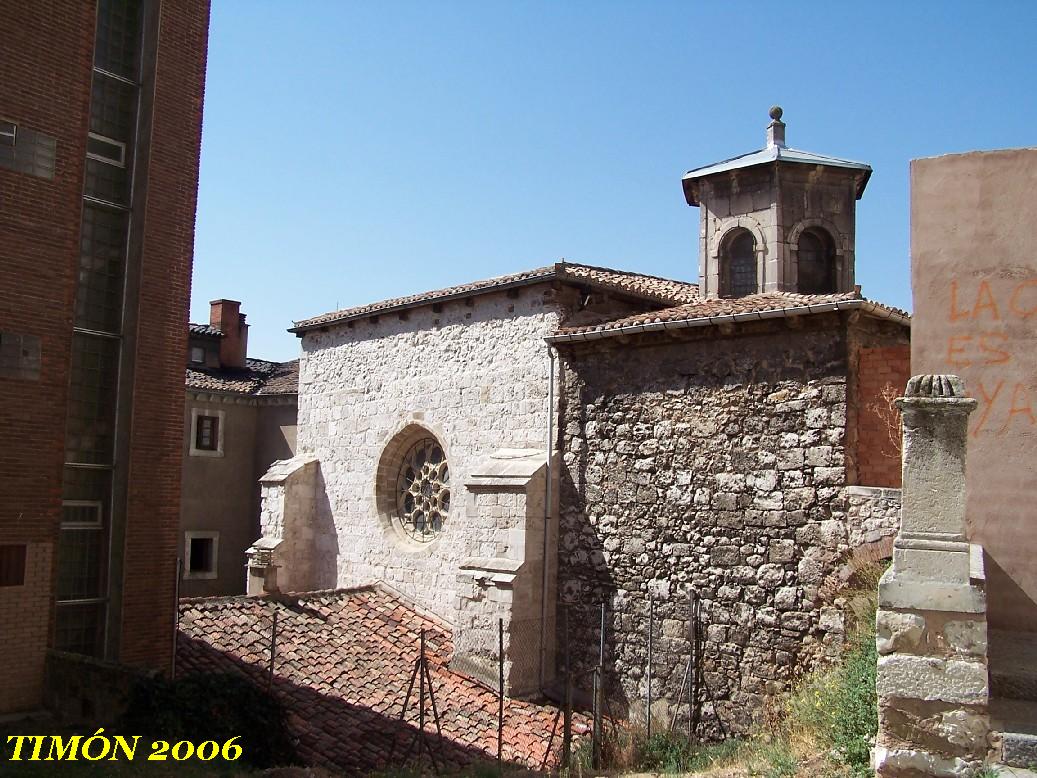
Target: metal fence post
{"x":421,"y":697}
{"x":500,"y":698}
{"x":176,"y":616}
{"x":599,"y":682}
{"x":567,"y":721}
{"x":651,"y":624}
{"x":693,"y":692}
{"x":273,"y":652}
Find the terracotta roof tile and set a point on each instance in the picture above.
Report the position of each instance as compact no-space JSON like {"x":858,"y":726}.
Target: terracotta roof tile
{"x":658,"y":290}
{"x":283,"y":380}
{"x":664,"y":290}
{"x":259,"y":377}
{"x":705,"y":310}
{"x":204,"y":329}
{"x":343,"y":663}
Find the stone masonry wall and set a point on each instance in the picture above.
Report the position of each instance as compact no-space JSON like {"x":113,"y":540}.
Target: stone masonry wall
{"x":473,"y":374}
{"x":714,"y":466}
{"x":872,"y":516}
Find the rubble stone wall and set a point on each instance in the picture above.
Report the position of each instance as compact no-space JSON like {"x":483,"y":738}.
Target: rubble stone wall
{"x":872,"y":515}
{"x":714,"y":466}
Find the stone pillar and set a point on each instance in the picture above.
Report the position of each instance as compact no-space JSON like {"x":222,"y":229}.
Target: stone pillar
{"x":292,"y":549}
{"x":931,"y":623}
{"x":505,"y":577}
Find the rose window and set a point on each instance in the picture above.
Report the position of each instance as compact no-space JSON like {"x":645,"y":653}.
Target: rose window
{"x":423,"y":490}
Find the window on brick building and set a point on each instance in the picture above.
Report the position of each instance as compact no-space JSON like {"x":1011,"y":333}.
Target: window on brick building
{"x":105,"y":149}
{"x":82,"y":572}
{"x":8,"y":133}
{"x":197,"y":355}
{"x":12,"y":565}
{"x":201,"y":554}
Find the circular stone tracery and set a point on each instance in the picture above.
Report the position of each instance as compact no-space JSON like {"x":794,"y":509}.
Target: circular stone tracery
{"x":423,"y":491}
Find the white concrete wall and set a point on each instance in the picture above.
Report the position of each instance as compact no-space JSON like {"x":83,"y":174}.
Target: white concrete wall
{"x":476,"y":376}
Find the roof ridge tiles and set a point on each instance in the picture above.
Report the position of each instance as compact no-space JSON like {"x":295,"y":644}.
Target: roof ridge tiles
{"x":720,"y":310}
{"x":667,"y":290}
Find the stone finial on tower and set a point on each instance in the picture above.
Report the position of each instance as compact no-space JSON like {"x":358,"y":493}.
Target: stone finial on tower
{"x":776,"y":129}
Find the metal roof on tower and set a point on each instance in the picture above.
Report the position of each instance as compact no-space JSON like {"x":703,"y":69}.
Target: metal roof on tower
{"x":775,"y":151}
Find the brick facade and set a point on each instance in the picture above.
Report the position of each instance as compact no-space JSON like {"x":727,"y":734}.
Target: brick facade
{"x":39,"y":231}
{"x":882,"y":375}
{"x":45,"y":88}
{"x":153,"y":515}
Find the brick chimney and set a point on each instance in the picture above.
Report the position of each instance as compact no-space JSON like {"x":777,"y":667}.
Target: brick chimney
{"x":225,"y":316}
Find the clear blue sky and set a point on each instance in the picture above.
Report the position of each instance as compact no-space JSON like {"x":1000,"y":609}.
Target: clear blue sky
{"x":354,"y":151}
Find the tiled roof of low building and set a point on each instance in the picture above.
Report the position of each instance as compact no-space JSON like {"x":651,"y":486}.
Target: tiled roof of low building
{"x":283,"y":380}
{"x":661,"y":291}
{"x":342,"y":665}
{"x":259,"y":377}
{"x":204,"y":329}
{"x":730,"y":310}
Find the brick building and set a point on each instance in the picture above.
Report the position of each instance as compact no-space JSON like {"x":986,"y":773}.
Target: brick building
{"x":240,"y":416}
{"x":728,"y":437}
{"x":100,"y":124}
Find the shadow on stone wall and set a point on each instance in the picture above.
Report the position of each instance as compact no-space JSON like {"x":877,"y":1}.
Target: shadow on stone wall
{"x":709,"y":469}
{"x":325,"y":540}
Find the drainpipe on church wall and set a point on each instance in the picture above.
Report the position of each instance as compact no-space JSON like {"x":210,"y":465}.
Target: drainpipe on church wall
{"x":547,"y":512}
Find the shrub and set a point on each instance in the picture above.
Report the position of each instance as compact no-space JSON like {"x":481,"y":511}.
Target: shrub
{"x":212,"y":707}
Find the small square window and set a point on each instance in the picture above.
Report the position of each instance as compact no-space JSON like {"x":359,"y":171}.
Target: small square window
{"x":8,"y":133}
{"x":201,"y":554}
{"x":12,"y":565}
{"x":207,"y":433}
{"x":197,"y":355}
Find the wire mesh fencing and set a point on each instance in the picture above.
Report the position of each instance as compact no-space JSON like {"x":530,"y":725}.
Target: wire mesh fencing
{"x":638,"y":659}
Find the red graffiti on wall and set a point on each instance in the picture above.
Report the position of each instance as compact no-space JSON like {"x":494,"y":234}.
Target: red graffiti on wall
{"x":979,"y":348}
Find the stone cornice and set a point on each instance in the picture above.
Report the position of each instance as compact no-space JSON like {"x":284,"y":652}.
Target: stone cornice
{"x":235,"y":398}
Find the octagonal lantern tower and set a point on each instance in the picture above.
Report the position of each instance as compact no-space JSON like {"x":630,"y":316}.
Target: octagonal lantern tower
{"x":776,"y":220}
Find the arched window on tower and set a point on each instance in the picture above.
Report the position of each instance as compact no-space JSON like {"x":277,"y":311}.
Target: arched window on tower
{"x":816,"y":263}
{"x":738,"y":265}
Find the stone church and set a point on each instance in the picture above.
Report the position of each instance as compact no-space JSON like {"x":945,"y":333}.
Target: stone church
{"x":528,"y":447}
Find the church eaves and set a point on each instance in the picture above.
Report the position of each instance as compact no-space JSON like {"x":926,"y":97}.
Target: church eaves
{"x":704,"y":313}
{"x":662,"y":291}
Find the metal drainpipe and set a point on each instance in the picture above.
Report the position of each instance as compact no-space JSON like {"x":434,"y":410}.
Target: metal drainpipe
{"x":547,"y":513}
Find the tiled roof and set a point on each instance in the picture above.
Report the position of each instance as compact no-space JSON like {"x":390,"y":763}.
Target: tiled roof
{"x":663,"y":290}
{"x":257,"y":377}
{"x":657,"y":290}
{"x":204,"y":329}
{"x":283,"y":380}
{"x":729,"y":310}
{"x":343,"y":662}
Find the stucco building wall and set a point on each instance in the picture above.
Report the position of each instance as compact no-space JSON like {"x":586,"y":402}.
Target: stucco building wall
{"x":219,"y":493}
{"x":974,"y":283}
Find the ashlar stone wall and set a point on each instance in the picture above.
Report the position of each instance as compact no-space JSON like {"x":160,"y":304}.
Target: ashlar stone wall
{"x":474,"y":374}
{"x":713,"y":465}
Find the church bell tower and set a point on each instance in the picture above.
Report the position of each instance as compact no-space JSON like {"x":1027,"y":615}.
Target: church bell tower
{"x":776,"y":220}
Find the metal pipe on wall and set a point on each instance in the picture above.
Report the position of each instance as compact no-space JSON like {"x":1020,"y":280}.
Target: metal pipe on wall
{"x":548,"y":496}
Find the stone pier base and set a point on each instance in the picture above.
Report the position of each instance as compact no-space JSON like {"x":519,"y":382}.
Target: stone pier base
{"x":931,"y":627}
{"x":932,"y":678}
